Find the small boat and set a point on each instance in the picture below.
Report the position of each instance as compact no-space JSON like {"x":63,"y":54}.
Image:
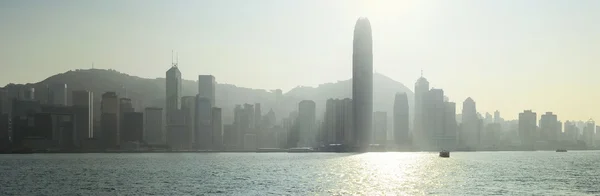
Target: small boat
{"x":444,"y":154}
{"x":561,"y":150}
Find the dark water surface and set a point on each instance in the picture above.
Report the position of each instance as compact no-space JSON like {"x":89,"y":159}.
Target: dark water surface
{"x":390,"y":173}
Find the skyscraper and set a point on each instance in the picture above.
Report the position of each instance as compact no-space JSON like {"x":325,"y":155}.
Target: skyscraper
{"x":173,"y":93}
{"x":188,"y":108}
{"x":153,"y":126}
{"x":307,"y":123}
{"x":338,"y":122}
{"x":401,"y":119}
{"x":527,"y":128}
{"x":57,"y":94}
{"x":206,"y":88}
{"x":83,"y":106}
{"x":588,"y":133}
{"x":379,"y":128}
{"x":133,"y":127}
{"x":362,"y":82}
{"x":217,"y":129}
{"x":203,"y":123}
{"x":549,"y":127}
{"x":470,"y":134}
{"x":433,"y":120}
{"x":109,"y":119}
{"x":421,"y":88}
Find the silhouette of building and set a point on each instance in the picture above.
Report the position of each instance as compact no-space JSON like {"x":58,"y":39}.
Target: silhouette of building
{"x":497,"y":118}
{"x":421,"y":89}
{"x":230,"y":136}
{"x":57,"y":94}
{"x":433,"y":116}
{"x":5,"y":102}
{"x":307,"y":124}
{"x":401,"y":120}
{"x":153,"y":126}
{"x":173,"y":93}
{"x":338,"y":122}
{"x":109,"y":120}
{"x":83,"y":106}
{"x":470,"y":135}
{"x":362,"y":82}
{"x":4,"y":134}
{"x":571,"y":131}
{"x":527,"y":129}
{"x":549,"y":127}
{"x":449,"y":139}
{"x":379,"y":128}
{"x":29,"y":94}
{"x":206,"y":88}
{"x":188,"y":107}
{"x":133,"y":127}
{"x":589,"y":133}
{"x":203,"y":123}
{"x":217,"y":129}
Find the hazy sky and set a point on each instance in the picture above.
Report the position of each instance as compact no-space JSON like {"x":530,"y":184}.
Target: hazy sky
{"x":508,"y":55}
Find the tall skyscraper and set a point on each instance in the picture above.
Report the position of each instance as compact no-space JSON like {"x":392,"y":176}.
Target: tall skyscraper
{"x":217,"y":129}
{"x":470,"y":135}
{"x":83,"y":106}
{"x":188,"y":107}
{"x":421,"y":89}
{"x":401,"y":119}
{"x":362,"y":82}
{"x":527,"y":128}
{"x":173,"y":93}
{"x":433,"y":120}
{"x":109,"y":119}
{"x":497,"y":118}
{"x":206,"y":88}
{"x":589,"y":133}
{"x":549,"y":127}
{"x":57,"y":94}
{"x":133,"y":127}
{"x":203,"y":123}
{"x":379,"y":128}
{"x":307,"y":123}
{"x":450,"y":137}
{"x":338,"y":122}
{"x":154,"y":133}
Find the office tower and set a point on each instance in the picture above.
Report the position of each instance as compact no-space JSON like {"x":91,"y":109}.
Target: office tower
{"x":421,"y":89}
{"x":549,"y":127}
{"x":527,"y":128}
{"x":362,"y":82}
{"x":571,"y":131}
{"x":153,"y":126}
{"x":379,"y":128}
{"x":401,"y":119}
{"x":217,"y":129}
{"x":588,"y":133}
{"x":470,"y":134}
{"x":450,"y":136}
{"x":433,"y":120}
{"x":29,"y":94}
{"x":491,"y":135}
{"x":4,"y":134}
{"x":83,"y":106}
{"x":248,"y":128}
{"x":206,"y":87}
{"x":257,"y":117}
{"x":57,"y":94}
{"x":173,"y":93}
{"x":497,"y":118}
{"x":338,"y":122}
{"x":133,"y":127}
{"x":188,"y":107}
{"x":125,"y":105}
{"x":5,"y":102}
{"x":307,"y":123}
{"x":203,"y":122}
{"x":109,"y":120}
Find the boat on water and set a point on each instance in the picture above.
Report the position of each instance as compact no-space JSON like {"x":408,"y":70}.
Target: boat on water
{"x":444,"y":154}
{"x":561,"y":150}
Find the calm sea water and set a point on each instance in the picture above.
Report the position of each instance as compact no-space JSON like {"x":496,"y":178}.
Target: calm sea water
{"x":467,"y":173}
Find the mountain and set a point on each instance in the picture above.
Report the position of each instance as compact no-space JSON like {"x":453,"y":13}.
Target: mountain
{"x":146,"y":92}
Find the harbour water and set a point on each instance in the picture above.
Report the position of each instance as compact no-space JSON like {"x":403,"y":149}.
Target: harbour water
{"x":385,"y":173}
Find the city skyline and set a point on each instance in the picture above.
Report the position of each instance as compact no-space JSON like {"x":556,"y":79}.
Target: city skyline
{"x":493,"y":68}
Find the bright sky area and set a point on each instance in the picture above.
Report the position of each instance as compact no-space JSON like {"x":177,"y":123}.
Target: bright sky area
{"x":507,"y":55}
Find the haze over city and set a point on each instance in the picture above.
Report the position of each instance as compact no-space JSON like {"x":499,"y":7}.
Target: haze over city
{"x":507,"y":55}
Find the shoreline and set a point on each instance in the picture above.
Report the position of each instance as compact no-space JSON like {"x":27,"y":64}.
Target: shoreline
{"x":257,"y":151}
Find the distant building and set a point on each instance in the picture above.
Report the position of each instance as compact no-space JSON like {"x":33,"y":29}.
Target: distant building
{"x":188,"y":106}
{"x":433,"y":115}
{"x":83,"y":106}
{"x":449,"y":140}
{"x":549,"y":127}
{"x":57,"y":94}
{"x":362,"y":87}
{"x":133,"y":127}
{"x":173,"y":93}
{"x":4,"y":134}
{"x":207,"y":88}
{"x":217,"y":129}
{"x":497,"y":118}
{"x":338,"y":122}
{"x":307,"y":123}
{"x":379,"y":128}
{"x":418,"y":133}
{"x":203,"y":123}
{"x":230,"y":136}
{"x":153,"y":126}
{"x":177,"y":132}
{"x":109,"y":120}
{"x":23,"y":112}
{"x":589,"y":133}
{"x":470,"y":134}
{"x":401,"y":120}
{"x":5,"y":102}
{"x":29,"y":94}
{"x":527,"y":128}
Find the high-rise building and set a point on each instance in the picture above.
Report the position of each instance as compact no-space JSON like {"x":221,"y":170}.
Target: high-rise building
{"x":257,"y":116}
{"x":549,"y":127}
{"x":173,"y":93}
{"x":217,"y":129}
{"x":497,"y":118}
{"x":470,"y":133}
{"x":188,"y":107}
{"x":248,"y":128}
{"x":338,"y":122}
{"x":109,"y":119}
{"x":57,"y":94}
{"x":133,"y":127}
{"x":362,"y":82}
{"x":379,"y":128}
{"x":5,"y":102}
{"x":433,"y":116}
{"x":206,"y":88}
{"x":203,"y":123}
{"x":527,"y":128}
{"x":589,"y":133}
{"x":83,"y":106}
{"x":418,"y":133}
{"x":153,"y":126}
{"x":29,"y":94}
{"x":450,"y":137}
{"x":307,"y":124}
{"x":401,"y":120}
